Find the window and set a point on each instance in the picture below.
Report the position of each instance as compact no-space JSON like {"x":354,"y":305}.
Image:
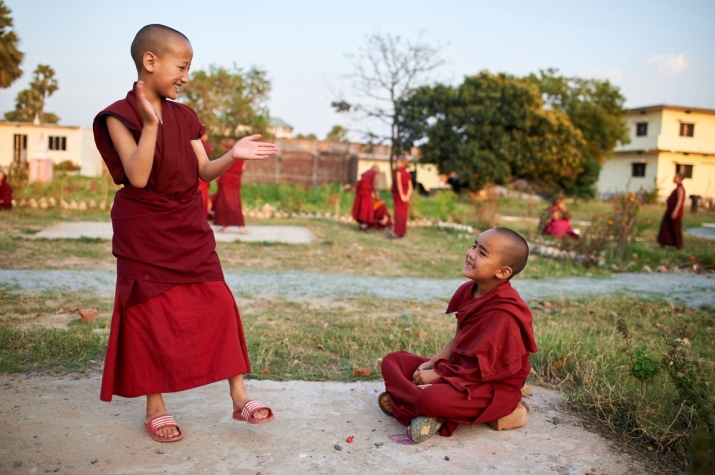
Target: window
{"x":637,"y":169}
{"x":641,"y":129}
{"x":57,"y":143}
{"x":686,"y":130}
{"x":685,"y":170}
{"x":19,"y":148}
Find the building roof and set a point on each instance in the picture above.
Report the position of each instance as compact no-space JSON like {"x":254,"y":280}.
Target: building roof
{"x":668,"y":106}
{"x":277,"y":122}
{"x":51,"y":126}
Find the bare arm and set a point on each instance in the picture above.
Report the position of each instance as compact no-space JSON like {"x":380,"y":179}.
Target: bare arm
{"x":409,"y":191}
{"x":400,"y":191}
{"x":679,"y":204}
{"x":248,"y":148}
{"x":137,"y":158}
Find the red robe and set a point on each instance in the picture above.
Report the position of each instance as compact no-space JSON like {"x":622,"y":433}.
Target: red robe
{"x":204,"y":185}
{"x":227,"y":202}
{"x":401,"y":207}
{"x":671,"y":230}
{"x":482,"y":380}
{"x":5,"y":194}
{"x":175,"y":323}
{"x":363,"y":211}
{"x":381,"y":212}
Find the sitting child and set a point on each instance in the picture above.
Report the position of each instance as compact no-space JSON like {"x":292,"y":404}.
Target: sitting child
{"x":478,"y":376}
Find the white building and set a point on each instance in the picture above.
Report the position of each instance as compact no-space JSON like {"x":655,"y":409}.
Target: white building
{"x":664,"y":139}
{"x":18,"y":141}
{"x":280,"y":129}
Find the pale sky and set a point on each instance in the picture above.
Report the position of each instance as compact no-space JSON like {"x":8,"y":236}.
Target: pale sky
{"x":655,"y":51}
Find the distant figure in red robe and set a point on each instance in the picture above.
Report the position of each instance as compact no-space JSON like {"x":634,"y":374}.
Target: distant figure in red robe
{"x":175,"y":324}
{"x":671,"y":232}
{"x":478,"y":375}
{"x":5,"y":193}
{"x":556,"y":220}
{"x":368,"y":209}
{"x":401,"y":194}
{"x":227,"y":207}
{"x":204,"y":185}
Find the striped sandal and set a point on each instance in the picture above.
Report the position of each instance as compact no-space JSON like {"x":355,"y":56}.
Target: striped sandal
{"x":160,"y":422}
{"x":251,"y":406}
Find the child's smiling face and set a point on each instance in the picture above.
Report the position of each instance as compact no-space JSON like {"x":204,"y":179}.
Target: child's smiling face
{"x":484,"y":259}
{"x":171,"y":70}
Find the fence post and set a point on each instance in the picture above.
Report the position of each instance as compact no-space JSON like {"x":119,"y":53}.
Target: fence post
{"x":278,"y":163}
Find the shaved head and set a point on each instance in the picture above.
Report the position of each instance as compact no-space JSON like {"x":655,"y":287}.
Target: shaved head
{"x":157,"y":39}
{"x":513,"y":248}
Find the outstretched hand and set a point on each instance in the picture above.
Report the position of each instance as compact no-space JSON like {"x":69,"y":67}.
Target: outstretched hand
{"x":145,"y":108}
{"x":249,"y":148}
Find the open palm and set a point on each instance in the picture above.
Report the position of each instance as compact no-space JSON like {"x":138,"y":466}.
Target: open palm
{"x":249,"y":148}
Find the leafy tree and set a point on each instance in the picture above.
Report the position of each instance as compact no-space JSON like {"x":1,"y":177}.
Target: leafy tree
{"x":31,"y":102}
{"x":337,"y":134}
{"x":388,"y":69}
{"x":595,"y":108}
{"x":307,"y":136}
{"x":10,"y":56}
{"x":491,"y":128}
{"x":226,"y":98}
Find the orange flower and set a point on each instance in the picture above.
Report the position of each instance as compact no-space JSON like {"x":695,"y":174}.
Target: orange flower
{"x":610,"y":222}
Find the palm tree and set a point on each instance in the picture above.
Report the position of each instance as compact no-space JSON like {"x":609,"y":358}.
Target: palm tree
{"x":10,"y":56}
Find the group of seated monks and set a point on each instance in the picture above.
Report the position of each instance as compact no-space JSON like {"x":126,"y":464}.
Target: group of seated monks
{"x":556,"y":221}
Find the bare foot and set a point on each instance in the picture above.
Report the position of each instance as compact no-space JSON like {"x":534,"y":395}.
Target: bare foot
{"x":240,"y":397}
{"x":242,"y":230}
{"x":386,"y":402}
{"x":224,"y":229}
{"x":155,"y":408}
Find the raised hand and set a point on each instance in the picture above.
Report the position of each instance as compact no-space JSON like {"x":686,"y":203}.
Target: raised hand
{"x":249,"y":148}
{"x":145,"y":108}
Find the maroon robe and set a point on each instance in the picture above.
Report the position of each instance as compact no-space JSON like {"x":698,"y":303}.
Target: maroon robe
{"x":482,"y":380}
{"x":5,"y":194}
{"x":363,"y":211}
{"x":381,"y":212}
{"x":671,"y":232}
{"x":401,"y":207}
{"x":175,"y":323}
{"x":227,"y":202}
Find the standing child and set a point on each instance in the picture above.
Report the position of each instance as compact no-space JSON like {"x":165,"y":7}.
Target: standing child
{"x":478,"y":375}
{"x":401,"y":194}
{"x":175,"y":324}
{"x":227,"y":206}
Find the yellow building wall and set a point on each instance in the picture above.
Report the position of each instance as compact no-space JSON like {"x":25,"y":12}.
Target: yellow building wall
{"x":703,"y":181}
{"x":616,"y":173}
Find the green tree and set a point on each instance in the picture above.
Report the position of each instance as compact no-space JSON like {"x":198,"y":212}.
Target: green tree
{"x":31,"y":102}
{"x":10,"y":56}
{"x":595,"y":108}
{"x":337,"y":134}
{"x":491,"y":128}
{"x":226,"y":98}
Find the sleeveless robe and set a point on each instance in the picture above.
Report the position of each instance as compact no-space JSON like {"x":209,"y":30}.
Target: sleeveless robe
{"x":402,"y":208}
{"x":671,"y":230}
{"x":175,"y":323}
{"x":363,"y":211}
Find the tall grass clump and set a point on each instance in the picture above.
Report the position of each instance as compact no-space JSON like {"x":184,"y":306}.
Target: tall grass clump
{"x":643,"y":368}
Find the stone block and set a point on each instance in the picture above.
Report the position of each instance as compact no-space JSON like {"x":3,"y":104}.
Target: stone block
{"x":88,"y":315}
{"x":516,"y":419}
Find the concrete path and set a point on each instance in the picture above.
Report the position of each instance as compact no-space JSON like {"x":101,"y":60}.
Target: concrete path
{"x":58,"y":425}
{"x":707,"y":232}
{"x":688,"y":289}
{"x":103,"y":230}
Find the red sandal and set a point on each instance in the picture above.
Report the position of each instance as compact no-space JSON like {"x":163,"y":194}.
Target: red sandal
{"x":251,"y":406}
{"x":160,"y":422}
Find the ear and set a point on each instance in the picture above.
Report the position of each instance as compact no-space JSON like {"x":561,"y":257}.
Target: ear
{"x":504,"y":273}
{"x":149,"y":61}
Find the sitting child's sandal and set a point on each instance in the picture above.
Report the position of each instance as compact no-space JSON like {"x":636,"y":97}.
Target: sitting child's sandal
{"x":383,"y":406}
{"x":422,"y":428}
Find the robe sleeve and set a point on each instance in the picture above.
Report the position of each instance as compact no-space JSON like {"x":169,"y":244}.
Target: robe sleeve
{"x":461,"y":374}
{"x":193,"y":124}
